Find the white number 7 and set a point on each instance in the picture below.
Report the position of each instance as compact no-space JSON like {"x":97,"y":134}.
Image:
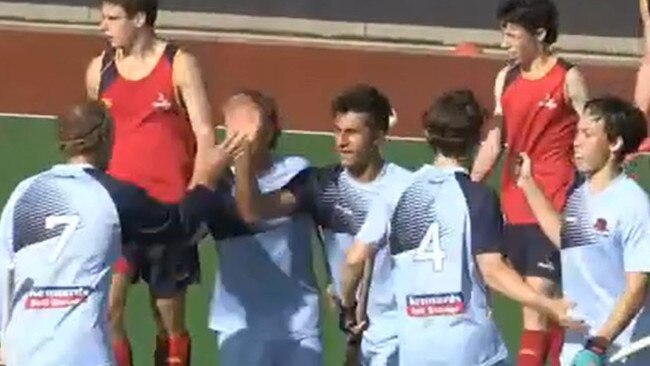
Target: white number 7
{"x":70,"y":222}
{"x":430,"y":249}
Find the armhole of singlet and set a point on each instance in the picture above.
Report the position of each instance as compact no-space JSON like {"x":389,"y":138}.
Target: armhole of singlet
{"x":108,"y":72}
{"x":170,"y":53}
{"x":511,"y":75}
{"x":564,"y":64}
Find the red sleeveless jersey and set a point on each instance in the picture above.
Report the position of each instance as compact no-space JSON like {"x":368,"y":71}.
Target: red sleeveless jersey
{"x":539,"y":121}
{"x":154,"y":145}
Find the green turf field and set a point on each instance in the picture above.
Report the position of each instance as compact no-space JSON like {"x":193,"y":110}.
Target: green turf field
{"x":28,"y":146}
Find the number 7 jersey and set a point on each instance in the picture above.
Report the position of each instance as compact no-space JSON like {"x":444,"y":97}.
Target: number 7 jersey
{"x":61,"y":231}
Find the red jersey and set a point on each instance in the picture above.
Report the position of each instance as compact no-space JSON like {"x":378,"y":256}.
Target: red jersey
{"x":154,"y":145}
{"x":540,"y":121}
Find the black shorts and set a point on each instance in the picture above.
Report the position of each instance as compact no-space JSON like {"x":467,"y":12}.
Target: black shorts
{"x":531,"y":253}
{"x":167,"y":269}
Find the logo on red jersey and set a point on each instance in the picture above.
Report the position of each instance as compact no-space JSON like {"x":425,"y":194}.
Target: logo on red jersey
{"x":548,"y":102}
{"x":421,"y":306}
{"x":161,"y":102}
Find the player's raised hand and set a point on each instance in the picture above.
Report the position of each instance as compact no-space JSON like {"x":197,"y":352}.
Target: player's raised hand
{"x":212,"y":162}
{"x":243,"y":116}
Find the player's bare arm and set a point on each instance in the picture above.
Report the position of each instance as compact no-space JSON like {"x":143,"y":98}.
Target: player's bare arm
{"x":492,"y":143}
{"x":642,"y":89}
{"x":627,"y":306}
{"x":356,"y":277}
{"x":254,"y":206}
{"x":214,"y":162}
{"x":251,"y":203}
{"x":356,"y":258}
{"x":93,"y":77}
{"x":549,"y":219}
{"x":189,"y":81}
{"x":575,"y":90}
{"x":502,"y":278}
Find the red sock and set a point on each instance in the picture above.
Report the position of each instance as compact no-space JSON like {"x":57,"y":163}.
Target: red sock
{"x":122,"y":352}
{"x":162,"y":348}
{"x":555,"y":340}
{"x":532,"y":351}
{"x":180,"y":346}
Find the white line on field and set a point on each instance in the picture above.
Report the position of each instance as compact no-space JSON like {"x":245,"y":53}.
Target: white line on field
{"x":290,"y":132}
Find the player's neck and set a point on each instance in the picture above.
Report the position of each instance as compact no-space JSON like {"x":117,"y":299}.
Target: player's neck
{"x":368,"y":172}
{"x":539,"y":65}
{"x":601,"y":179}
{"x":81,"y":160}
{"x":143,"y":46}
{"x":441,"y":161}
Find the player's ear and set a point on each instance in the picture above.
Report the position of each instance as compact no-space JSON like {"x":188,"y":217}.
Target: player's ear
{"x":140,"y":19}
{"x":616,"y":146}
{"x":540,"y":34}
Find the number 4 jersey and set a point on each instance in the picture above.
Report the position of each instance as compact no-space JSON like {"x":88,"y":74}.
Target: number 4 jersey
{"x":441,"y":222}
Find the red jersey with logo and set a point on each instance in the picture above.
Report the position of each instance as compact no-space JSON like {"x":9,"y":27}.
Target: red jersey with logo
{"x":154,"y":144}
{"x":540,"y":121}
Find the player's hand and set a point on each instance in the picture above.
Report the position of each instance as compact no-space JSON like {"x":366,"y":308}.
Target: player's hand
{"x":242,"y":116}
{"x":560,"y":310}
{"x":523,"y":170}
{"x":213,"y":161}
{"x":348,"y":321}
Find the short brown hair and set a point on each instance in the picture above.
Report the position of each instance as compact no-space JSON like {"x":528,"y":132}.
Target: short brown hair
{"x":133,"y":7}
{"x":453,"y":123}
{"x":84,"y":128}
{"x":368,"y":100}
{"x":621,"y":119}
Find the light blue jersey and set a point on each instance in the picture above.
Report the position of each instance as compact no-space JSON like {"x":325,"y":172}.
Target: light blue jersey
{"x":340,"y":205}
{"x":605,"y":235}
{"x":265,"y":286}
{"x":62,"y":230}
{"x":441,"y":222}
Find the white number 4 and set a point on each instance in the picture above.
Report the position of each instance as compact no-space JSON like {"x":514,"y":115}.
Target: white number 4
{"x":430,"y":249}
{"x":70,"y":222}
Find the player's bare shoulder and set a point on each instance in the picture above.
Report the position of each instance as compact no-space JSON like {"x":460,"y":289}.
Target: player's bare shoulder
{"x":505,"y":76}
{"x":186,"y":68}
{"x":93,"y":76}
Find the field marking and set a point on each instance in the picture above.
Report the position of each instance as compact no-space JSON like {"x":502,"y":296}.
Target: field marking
{"x":286,"y":131}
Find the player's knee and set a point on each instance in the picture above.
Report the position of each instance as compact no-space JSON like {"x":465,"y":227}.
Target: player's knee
{"x":171,"y":312}
{"x":533,"y":320}
{"x":116,"y":310}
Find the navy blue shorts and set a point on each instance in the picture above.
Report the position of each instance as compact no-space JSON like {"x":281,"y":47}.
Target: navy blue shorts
{"x":532,"y":253}
{"x":167,"y":269}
